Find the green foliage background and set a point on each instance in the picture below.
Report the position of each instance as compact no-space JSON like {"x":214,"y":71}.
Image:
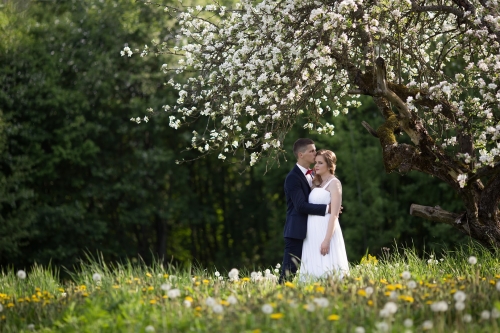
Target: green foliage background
{"x":77,"y":176}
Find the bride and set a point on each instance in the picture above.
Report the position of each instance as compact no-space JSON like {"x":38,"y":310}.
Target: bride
{"x":323,"y":252}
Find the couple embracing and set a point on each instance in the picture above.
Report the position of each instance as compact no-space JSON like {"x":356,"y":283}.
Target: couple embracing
{"x":313,"y":238}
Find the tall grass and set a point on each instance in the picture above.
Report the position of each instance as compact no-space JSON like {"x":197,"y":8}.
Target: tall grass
{"x":395,"y":293}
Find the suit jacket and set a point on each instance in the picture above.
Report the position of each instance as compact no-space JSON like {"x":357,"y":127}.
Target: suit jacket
{"x":297,"y":195}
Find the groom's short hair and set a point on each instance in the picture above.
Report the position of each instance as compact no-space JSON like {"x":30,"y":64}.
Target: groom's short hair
{"x":300,"y":146}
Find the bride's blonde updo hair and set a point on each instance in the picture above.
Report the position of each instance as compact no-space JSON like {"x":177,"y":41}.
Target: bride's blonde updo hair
{"x":331,"y":163}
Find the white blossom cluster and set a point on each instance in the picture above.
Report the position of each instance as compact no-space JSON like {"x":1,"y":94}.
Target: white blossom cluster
{"x":260,"y":67}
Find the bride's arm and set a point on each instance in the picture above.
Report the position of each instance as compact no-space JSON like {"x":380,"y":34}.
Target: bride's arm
{"x":335,"y":189}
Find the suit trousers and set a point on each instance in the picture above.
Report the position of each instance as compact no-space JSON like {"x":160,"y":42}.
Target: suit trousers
{"x":291,"y":258}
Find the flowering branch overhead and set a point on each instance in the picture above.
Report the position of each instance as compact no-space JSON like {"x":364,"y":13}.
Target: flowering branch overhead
{"x":431,"y":67}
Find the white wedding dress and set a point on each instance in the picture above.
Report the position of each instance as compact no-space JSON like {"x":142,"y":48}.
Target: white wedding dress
{"x":313,"y":264}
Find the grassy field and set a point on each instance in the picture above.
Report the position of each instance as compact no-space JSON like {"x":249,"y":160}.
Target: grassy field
{"x":458,"y":291}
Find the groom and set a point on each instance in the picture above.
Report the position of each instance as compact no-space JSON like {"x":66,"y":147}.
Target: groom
{"x":297,"y":188}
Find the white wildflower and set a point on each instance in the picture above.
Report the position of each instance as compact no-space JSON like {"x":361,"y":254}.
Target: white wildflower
{"x":217,"y":308}
{"x":406,"y":275}
{"x":149,"y":328}
{"x":472,"y":260}
{"x":21,"y":274}
{"x":467,"y":318}
{"x":96,"y":277}
{"x":408,"y":323}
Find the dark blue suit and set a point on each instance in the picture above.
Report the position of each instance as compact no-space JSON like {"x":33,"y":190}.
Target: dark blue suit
{"x":297,"y":194}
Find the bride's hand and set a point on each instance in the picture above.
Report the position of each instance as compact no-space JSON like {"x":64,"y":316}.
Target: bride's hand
{"x":325,"y":247}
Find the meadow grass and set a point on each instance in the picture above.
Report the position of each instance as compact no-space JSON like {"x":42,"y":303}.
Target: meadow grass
{"x":399,"y":292}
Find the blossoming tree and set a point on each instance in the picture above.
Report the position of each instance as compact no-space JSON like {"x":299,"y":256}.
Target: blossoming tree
{"x":431,"y":67}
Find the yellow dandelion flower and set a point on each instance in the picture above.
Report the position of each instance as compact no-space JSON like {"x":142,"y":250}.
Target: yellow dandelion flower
{"x":10,"y":305}
{"x":462,"y":287}
{"x":165,"y":276}
{"x":20,"y":300}
{"x":136,"y":279}
{"x":206,"y":281}
{"x":429,"y":302}
{"x":188,"y":298}
{"x":61,"y":290}
{"x":497,"y":276}
{"x":453,"y":291}
{"x":153,"y":301}
{"x":36,"y":300}
{"x":370,"y":303}
{"x":197,"y":283}
{"x":223,"y":302}
{"x":245,"y":279}
{"x":279,"y":296}
{"x":257,"y":330}
{"x":387,"y":293}
{"x":85,"y":295}
{"x":151,"y":288}
{"x":398,"y":286}
{"x":320,"y":289}
{"x":27,"y":299}
{"x":116,"y":286}
{"x":362,"y":292}
{"x":390,"y":287}
{"x":37,"y":289}
{"x":406,"y":298}
{"x":289,"y":284}
{"x":492,"y":282}
{"x":384,"y":281}
{"x":83,"y":287}
{"x":333,"y":317}
{"x":357,"y":279}
{"x":198,"y":308}
{"x":3,"y":317}
{"x":277,"y":315}
{"x":149,"y":275}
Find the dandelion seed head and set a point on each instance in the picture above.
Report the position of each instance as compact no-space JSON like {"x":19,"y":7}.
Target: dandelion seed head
{"x":495,"y":313}
{"x":210,"y":301}
{"x":165,"y":287}
{"x":173,"y":293}
{"x":267,"y":308}
{"x":382,"y":326}
{"x":467,"y":318}
{"x":472,"y":260}
{"x":149,"y":328}
{"x":187,"y":303}
{"x":369,"y":291}
{"x":31,"y":327}
{"x":21,"y":274}
{"x":459,"y":306}
{"x":217,"y":274}
{"x":406,"y":275}
{"x":408,"y":323}
{"x":485,"y":315}
{"x":412,"y":284}
{"x":498,"y":285}
{"x":232,"y":300}
{"x":233,"y":275}
{"x":359,"y":329}
{"x":96,"y":277}
{"x":217,"y":308}
{"x":440,"y":306}
{"x":459,"y":296}
{"x":322,"y":302}
{"x":427,"y":325}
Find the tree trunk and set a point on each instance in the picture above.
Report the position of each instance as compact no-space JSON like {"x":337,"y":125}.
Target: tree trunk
{"x":481,"y":218}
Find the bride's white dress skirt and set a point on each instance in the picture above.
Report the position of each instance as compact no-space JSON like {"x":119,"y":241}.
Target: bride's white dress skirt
{"x":313,"y":265}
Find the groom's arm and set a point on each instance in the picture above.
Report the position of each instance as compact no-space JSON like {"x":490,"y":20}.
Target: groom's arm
{"x":300,"y":201}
